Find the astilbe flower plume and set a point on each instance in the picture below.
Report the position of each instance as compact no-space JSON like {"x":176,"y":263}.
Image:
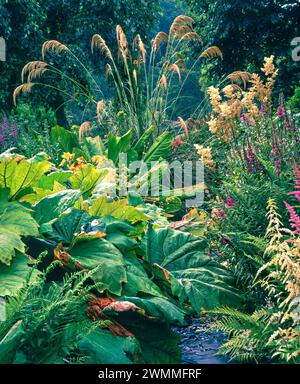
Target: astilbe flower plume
{"x":296,"y":193}
{"x":294,"y":219}
{"x":8,"y":132}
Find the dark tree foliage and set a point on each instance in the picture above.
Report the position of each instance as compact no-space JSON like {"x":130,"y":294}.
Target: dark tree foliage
{"x":246,"y":31}
{"x":26,"y":24}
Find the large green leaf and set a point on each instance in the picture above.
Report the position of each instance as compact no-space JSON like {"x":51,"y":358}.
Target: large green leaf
{"x":159,"y":307}
{"x":14,"y":277}
{"x":118,"y":209}
{"x":65,"y":229}
{"x":194,"y":275}
{"x":18,"y":174}
{"x":51,"y":207}
{"x":101,"y":347}
{"x":66,"y":140}
{"x":93,"y":146}
{"x":10,"y":343}
{"x":144,"y":139}
{"x":86,"y":179}
{"x":159,"y":344}
{"x":101,"y":254}
{"x":160,"y":149}
{"x":137,"y":279}
{"x":47,"y":181}
{"x":117,"y":145}
{"x":47,"y":185}
{"x":15,"y":221}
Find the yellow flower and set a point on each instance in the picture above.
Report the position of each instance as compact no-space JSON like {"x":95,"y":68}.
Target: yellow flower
{"x":68,"y":156}
{"x":213,"y":125}
{"x":205,"y":155}
{"x":99,"y":160}
{"x":225,"y":110}
{"x":228,"y":91}
{"x":268,"y":67}
{"x":215,"y":97}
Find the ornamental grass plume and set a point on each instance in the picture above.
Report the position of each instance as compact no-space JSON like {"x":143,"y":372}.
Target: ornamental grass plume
{"x":144,"y":91}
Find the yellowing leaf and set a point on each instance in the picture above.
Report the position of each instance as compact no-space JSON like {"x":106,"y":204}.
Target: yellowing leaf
{"x":118,"y":209}
{"x":17,"y":173}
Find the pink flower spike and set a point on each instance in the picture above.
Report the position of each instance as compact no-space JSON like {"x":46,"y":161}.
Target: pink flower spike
{"x":294,"y":218}
{"x":296,"y":192}
{"x":230,"y":203}
{"x":177,"y":142}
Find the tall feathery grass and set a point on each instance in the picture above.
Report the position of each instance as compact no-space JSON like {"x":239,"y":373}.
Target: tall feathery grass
{"x":142,"y":78}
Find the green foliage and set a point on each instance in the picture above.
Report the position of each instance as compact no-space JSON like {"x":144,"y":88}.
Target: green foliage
{"x":18,"y":174}
{"x":45,"y":322}
{"x":118,"y":209}
{"x":160,"y":148}
{"x":104,"y":348}
{"x":294,"y":101}
{"x":233,"y":27}
{"x":63,"y":21}
{"x":16,"y":275}
{"x":81,"y":243}
{"x":193,"y":275}
{"x":249,"y":339}
{"x":15,"y":221}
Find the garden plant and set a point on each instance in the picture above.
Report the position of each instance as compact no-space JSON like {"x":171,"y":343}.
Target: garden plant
{"x":92,"y":275}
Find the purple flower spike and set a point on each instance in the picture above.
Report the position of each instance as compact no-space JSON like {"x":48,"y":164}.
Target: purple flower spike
{"x":14,"y":131}
{"x":5,"y":124}
{"x":280,"y":112}
{"x":2,"y":141}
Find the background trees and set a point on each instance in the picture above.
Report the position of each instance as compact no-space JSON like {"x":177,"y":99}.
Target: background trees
{"x":246,"y":31}
{"x":27,"y":24}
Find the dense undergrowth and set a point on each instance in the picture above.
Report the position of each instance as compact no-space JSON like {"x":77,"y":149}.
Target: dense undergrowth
{"x":91,"y":276}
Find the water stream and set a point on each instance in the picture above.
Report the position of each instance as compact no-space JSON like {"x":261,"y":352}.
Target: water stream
{"x":198,"y":344}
